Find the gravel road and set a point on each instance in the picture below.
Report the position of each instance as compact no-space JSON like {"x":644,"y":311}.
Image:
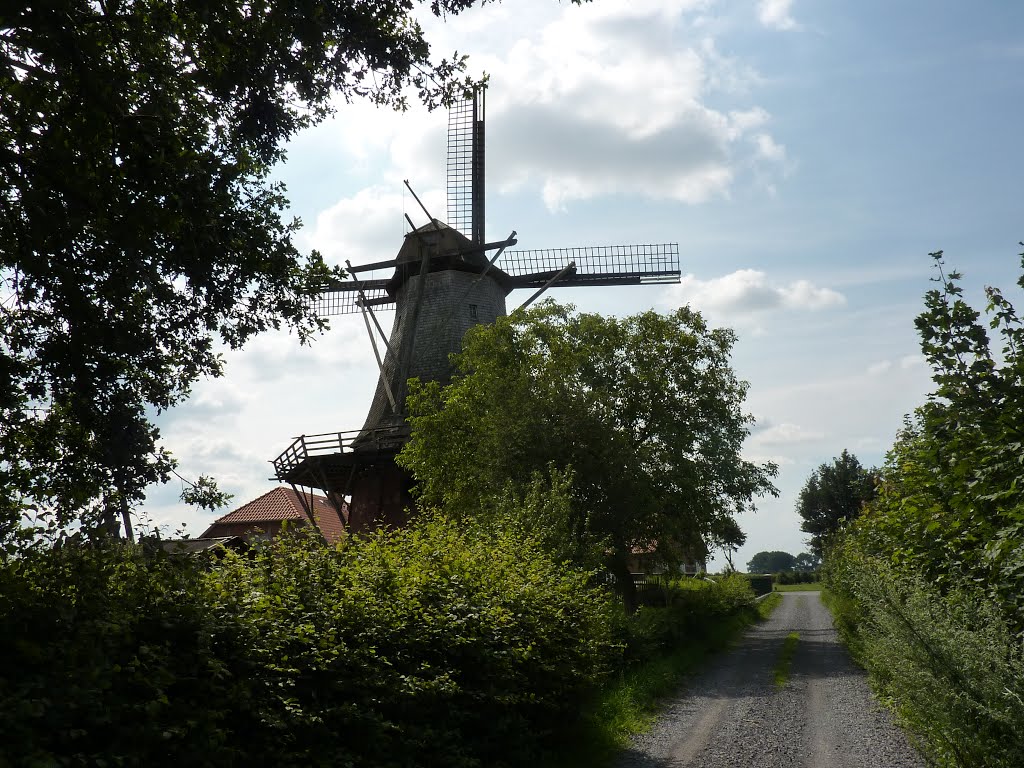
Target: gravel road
{"x":733,"y":714}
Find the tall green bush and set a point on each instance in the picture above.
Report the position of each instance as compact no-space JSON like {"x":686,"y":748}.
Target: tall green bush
{"x":115,"y":654}
{"x":692,"y":609}
{"x":948,"y":662}
{"x":423,"y":647}
{"x":928,"y":584}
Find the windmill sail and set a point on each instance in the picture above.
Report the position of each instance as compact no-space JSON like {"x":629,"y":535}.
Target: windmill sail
{"x":466,"y":166}
{"x":344,"y":299}
{"x":595,"y":265}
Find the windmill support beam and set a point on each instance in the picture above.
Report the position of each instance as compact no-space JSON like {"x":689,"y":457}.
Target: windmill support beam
{"x":430,"y":218}
{"x":380,"y":364}
{"x":365,"y":304}
{"x":510,"y":240}
{"x":366,"y":310}
{"x":307,"y":508}
{"x":346,"y":494}
{"x":389,"y":264}
{"x":333,"y":499}
{"x":568,"y":267}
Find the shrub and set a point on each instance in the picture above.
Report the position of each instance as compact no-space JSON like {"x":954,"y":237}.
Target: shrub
{"x":694,"y":608}
{"x":949,"y":663}
{"x":114,"y":654}
{"x":422,"y":647}
{"x":796,"y":577}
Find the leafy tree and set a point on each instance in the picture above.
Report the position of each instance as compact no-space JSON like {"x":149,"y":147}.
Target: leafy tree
{"x":138,"y":224}
{"x":771,"y":562}
{"x":645,"y":411}
{"x":929,"y":582}
{"x":951,"y":501}
{"x":806,"y":561}
{"x":833,"y":494}
{"x":726,"y":535}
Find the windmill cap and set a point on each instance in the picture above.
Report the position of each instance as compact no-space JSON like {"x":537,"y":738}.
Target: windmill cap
{"x":448,"y":248}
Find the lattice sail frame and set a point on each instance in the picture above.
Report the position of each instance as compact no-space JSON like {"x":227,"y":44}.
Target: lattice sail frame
{"x":465,"y":186}
{"x":344,"y":299}
{"x":595,"y":265}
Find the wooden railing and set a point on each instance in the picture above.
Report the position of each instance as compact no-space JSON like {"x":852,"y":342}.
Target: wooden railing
{"x":326,"y":443}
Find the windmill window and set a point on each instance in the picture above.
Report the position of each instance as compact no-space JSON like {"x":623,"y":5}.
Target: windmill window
{"x":472,"y":311}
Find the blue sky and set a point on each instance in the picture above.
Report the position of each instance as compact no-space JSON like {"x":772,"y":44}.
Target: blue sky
{"x":805,"y":155}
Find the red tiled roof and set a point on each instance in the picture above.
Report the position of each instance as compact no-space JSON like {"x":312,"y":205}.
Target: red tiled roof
{"x":283,"y":504}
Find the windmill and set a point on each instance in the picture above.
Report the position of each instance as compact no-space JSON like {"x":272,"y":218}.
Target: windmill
{"x":446,"y":279}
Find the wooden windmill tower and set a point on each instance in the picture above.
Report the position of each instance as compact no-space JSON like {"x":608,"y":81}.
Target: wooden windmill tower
{"x":446,"y":279}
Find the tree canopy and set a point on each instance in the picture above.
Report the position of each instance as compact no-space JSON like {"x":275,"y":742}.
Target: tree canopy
{"x":930,"y":579}
{"x":951,"y":501}
{"x":771,"y":562}
{"x":833,"y":494}
{"x":139,"y":227}
{"x":807,"y":561}
{"x":644,"y":413}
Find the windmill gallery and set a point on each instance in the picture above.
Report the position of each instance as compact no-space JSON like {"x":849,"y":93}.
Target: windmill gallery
{"x":445,"y":281}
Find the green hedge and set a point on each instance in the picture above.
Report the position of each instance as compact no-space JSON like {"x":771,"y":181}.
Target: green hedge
{"x":694,"y":608}
{"x":423,"y":647}
{"x":796,"y":577}
{"x":948,"y":663}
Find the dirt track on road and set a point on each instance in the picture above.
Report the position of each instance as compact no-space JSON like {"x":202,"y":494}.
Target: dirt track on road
{"x":734,"y":715}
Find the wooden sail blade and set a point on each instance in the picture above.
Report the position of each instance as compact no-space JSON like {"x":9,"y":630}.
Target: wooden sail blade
{"x":595,"y":265}
{"x":466,"y":166}
{"x":343,"y":298}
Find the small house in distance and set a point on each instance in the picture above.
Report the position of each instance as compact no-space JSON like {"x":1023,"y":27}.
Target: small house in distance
{"x":644,"y":559}
{"x":264,"y":517}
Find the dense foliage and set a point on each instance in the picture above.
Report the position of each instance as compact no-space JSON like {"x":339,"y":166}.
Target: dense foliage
{"x":833,"y":495}
{"x":808,"y":561}
{"x":424,"y":647}
{"x":929,"y":582}
{"x":685,"y":612}
{"x":797,"y":577}
{"x":139,"y":227}
{"x":946,"y":660}
{"x":642,"y":415}
{"x":771,"y":562}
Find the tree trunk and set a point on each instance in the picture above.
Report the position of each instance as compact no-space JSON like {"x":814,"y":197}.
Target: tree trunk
{"x":126,"y":517}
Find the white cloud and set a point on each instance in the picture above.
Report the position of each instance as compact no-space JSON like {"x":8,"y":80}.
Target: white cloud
{"x":803,"y":294}
{"x":785,"y":434}
{"x":370,"y":225}
{"x":748,"y":291}
{"x":612,"y":99}
{"x":593,"y":110}
{"x":905,"y":363}
{"x":768,"y":148}
{"x":776,"y":14}
{"x":909,"y":362}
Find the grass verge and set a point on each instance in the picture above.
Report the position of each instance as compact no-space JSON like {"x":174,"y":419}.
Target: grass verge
{"x":767,"y":605}
{"x":786,"y":659}
{"x":814,"y":586}
{"x":628,"y":706}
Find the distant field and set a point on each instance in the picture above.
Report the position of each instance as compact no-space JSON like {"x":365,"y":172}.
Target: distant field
{"x":812,"y":587}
